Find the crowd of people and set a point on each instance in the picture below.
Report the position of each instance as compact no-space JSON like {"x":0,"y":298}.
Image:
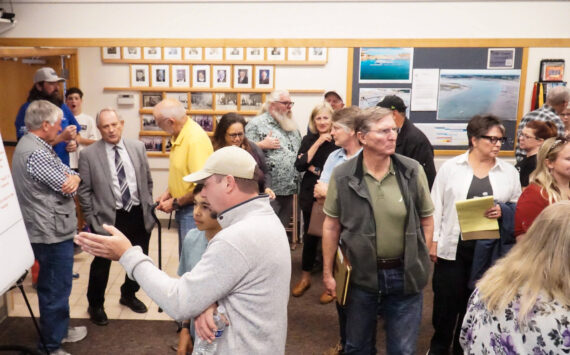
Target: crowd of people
{"x":366,"y":182}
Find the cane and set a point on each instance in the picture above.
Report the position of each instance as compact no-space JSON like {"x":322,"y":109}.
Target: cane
{"x":153,"y":212}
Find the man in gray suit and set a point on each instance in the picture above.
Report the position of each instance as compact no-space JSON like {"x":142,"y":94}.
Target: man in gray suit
{"x":116,"y":189}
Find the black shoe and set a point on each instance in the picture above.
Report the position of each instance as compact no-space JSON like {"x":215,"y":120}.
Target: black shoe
{"x":134,"y":304}
{"x":98,"y":315}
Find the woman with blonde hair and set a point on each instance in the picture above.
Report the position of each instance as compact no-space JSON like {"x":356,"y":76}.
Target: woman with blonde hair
{"x":522,"y":304}
{"x":549,"y":183}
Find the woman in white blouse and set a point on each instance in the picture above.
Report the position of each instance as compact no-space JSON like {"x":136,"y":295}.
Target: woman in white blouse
{"x":476,"y":173}
{"x":522,"y":304}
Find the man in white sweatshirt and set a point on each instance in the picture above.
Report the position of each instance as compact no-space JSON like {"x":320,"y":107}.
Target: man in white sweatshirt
{"x":246,"y":267}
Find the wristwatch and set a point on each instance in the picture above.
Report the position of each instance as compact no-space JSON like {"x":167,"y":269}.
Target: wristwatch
{"x":175,"y":205}
{"x":317,"y":171}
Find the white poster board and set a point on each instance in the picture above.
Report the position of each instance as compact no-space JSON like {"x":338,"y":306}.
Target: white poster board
{"x":16,"y":255}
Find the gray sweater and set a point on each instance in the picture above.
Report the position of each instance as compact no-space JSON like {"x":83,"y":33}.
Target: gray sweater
{"x":246,"y":268}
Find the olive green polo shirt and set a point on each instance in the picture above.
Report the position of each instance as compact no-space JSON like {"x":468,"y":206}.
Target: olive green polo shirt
{"x":388,"y":207}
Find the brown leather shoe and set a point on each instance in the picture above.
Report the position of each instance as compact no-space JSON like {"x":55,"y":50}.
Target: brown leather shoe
{"x":326,"y":298}
{"x":300,"y":288}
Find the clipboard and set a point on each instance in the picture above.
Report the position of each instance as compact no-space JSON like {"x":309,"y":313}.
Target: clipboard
{"x":472,"y":221}
{"x":341,"y":273}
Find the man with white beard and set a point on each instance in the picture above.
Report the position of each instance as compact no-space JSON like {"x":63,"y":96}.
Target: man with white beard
{"x":276,"y":133}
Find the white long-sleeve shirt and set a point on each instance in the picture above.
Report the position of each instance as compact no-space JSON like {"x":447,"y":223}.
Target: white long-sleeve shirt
{"x":452,"y":184}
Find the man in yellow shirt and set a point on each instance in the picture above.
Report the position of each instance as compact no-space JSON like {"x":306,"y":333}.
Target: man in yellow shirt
{"x":191,"y":146}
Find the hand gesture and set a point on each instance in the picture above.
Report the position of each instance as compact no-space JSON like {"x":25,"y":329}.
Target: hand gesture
{"x":109,"y":247}
{"x":270,"y":142}
{"x":70,"y":184}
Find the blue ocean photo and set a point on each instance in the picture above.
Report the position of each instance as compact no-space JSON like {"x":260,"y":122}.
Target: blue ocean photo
{"x":385,"y":64}
{"x":466,"y":93}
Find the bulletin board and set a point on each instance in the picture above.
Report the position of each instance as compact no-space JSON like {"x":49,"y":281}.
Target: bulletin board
{"x":461,"y":82}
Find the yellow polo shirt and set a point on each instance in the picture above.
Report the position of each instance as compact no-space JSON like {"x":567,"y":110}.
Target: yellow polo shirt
{"x":188,"y":154}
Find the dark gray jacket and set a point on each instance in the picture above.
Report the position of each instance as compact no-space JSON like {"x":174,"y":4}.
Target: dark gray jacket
{"x":358,"y":229}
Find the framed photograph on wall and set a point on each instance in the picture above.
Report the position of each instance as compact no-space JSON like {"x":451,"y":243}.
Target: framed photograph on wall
{"x":139,"y":75}
{"x":386,"y":65}
{"x":201,"y":101}
{"x":297,"y":53}
{"x":152,"y":53}
{"x":255,"y":53}
{"x":276,"y":53}
{"x":234,"y":53}
{"x":111,"y":52}
{"x":214,"y":53}
{"x":172,"y":53}
{"x":180,"y":96}
{"x":226,"y":101}
{"x":131,"y":52}
{"x":242,"y":76}
{"x":193,"y":53}
{"x":150,"y":99}
{"x":501,"y":58}
{"x":222,"y":76}
{"x":160,"y":75}
{"x":201,"y":76}
{"x":152,"y":144}
{"x":149,"y":123}
{"x":264,"y":76}
{"x":317,"y":54}
{"x":552,"y":70}
{"x":180,"y":76}
{"x":250,"y":101}
{"x":205,"y":121}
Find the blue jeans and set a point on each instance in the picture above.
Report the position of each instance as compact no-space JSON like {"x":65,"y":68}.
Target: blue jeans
{"x":401,"y":313}
{"x":185,"y":219}
{"x":54,"y":287}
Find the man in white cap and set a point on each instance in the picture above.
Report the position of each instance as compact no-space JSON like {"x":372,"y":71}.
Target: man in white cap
{"x":246,"y":267}
{"x":46,"y":87}
{"x":334,"y":99}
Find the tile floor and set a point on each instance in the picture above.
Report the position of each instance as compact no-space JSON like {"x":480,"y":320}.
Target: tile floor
{"x":78,"y":299}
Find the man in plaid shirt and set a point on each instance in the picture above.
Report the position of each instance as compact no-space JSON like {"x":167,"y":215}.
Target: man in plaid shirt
{"x":45,"y":187}
{"x":556,"y":102}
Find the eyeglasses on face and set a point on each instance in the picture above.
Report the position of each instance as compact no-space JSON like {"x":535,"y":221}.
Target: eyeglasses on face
{"x":494,"y":139}
{"x":526,"y":136}
{"x":235,"y":135}
{"x":287,"y":103}
{"x":565,"y":114}
{"x":385,"y":132}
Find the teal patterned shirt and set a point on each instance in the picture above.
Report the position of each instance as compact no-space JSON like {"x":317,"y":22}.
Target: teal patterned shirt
{"x":280,"y":162}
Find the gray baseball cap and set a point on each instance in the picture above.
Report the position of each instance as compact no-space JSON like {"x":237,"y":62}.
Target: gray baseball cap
{"x":46,"y":74}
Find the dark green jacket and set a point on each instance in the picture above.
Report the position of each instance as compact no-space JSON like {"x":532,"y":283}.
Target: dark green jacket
{"x":358,"y":229}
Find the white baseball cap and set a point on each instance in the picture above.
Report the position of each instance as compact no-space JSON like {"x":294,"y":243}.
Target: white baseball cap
{"x":230,"y":160}
{"x":46,"y":74}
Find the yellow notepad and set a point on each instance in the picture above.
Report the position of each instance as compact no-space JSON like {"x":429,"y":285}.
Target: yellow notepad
{"x":472,"y":220}
{"x":341,"y":274}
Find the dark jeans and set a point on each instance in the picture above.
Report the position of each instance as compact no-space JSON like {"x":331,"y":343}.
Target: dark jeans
{"x":283,"y":207}
{"x":54,"y":287}
{"x":401,"y":312}
{"x":132,"y":225}
{"x":450,"y":296}
{"x":310,"y":244}
{"x":185,"y":219}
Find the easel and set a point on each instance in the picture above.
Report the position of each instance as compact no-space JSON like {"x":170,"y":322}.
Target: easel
{"x":20,"y":284}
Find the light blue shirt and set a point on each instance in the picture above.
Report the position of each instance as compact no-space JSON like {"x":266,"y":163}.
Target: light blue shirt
{"x":334,"y":159}
{"x":193,"y":247}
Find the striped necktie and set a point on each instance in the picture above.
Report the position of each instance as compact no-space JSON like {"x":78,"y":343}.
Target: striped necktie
{"x":123,"y":185}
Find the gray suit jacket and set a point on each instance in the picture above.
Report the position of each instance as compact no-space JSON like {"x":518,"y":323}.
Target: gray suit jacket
{"x":96,"y":191}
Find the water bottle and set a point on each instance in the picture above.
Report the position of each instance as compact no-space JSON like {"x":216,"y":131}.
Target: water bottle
{"x":201,"y":346}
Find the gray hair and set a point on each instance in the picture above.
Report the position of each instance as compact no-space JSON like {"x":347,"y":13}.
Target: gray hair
{"x":169,"y":108}
{"x":345,"y":117}
{"x":39,"y":111}
{"x":273,"y":97}
{"x":106,"y":109}
{"x":558,"y":95}
{"x":368,"y":117}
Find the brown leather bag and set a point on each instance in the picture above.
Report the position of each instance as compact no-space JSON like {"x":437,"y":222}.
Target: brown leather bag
{"x":317,"y":220}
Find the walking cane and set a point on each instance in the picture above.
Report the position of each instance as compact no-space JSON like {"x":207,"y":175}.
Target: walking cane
{"x":153,"y":212}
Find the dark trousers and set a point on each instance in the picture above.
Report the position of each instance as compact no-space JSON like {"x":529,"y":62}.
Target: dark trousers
{"x":310,"y":244}
{"x":132,"y":225}
{"x":283,"y":207}
{"x":450,"y":296}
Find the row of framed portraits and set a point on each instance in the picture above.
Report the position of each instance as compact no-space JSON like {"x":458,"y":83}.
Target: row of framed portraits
{"x":157,"y":145}
{"x":311,"y":54}
{"x":202,"y":76}
{"x":209,"y":102}
{"x":149,"y":126}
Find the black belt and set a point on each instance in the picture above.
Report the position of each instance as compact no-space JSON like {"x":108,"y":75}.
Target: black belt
{"x":389,"y":263}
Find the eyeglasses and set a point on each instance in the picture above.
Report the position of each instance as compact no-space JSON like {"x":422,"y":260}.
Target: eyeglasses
{"x":557,"y":142}
{"x":565,"y":114}
{"x":494,"y":140}
{"x":235,"y":135}
{"x":286,"y":103}
{"x":385,"y":132}
{"x":526,"y":136}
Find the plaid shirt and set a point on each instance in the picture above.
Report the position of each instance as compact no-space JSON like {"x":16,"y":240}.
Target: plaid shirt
{"x":45,"y":167}
{"x":545,"y":113}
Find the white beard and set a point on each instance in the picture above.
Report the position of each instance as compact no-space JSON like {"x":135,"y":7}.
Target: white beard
{"x":285,"y":121}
